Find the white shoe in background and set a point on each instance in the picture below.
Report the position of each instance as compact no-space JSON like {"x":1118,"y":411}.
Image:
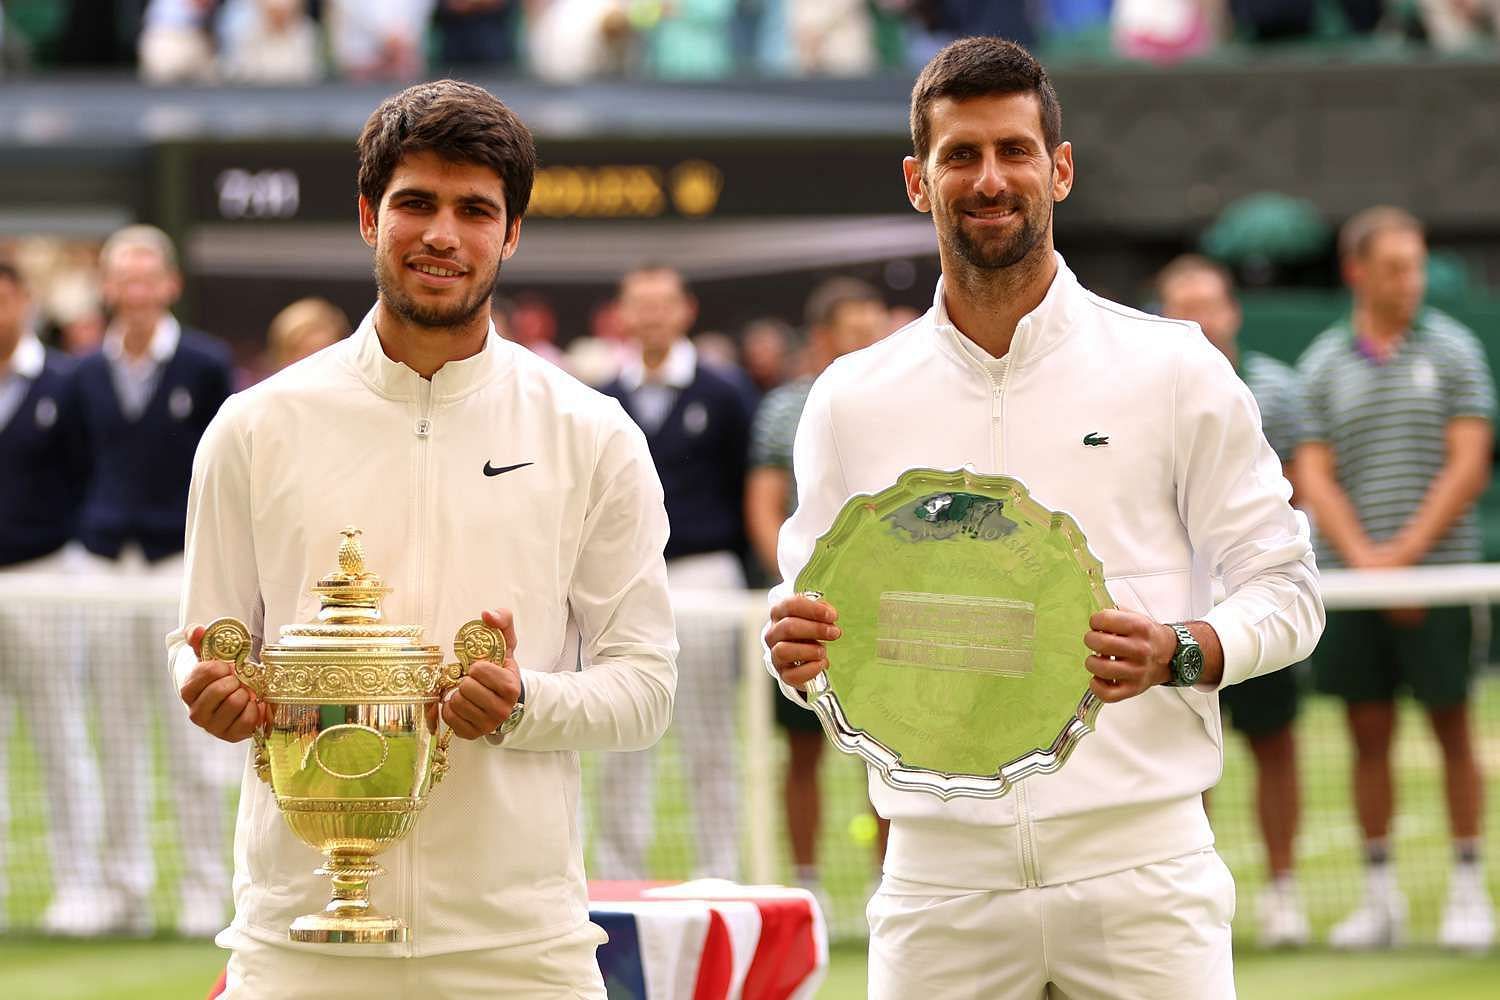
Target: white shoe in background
{"x":121,"y":914}
{"x":1283,"y":920}
{"x":1378,"y":923}
{"x":201,"y":914}
{"x":77,"y":913}
{"x":1468,"y":916}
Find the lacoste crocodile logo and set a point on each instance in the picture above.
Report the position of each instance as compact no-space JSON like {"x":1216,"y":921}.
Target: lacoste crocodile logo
{"x":490,"y":470}
{"x":1095,"y":440}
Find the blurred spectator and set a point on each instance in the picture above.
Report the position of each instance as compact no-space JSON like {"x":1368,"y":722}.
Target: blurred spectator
{"x":831,"y":37}
{"x":533,"y":324}
{"x":935,"y":23}
{"x":767,"y":347}
{"x":1397,"y":449}
{"x":717,"y":349}
{"x":1163,"y":31}
{"x":44,"y":467}
{"x":697,"y":423}
{"x":378,"y":41}
{"x":899,"y":316}
{"x":570,"y":40}
{"x":688,"y":39}
{"x":147,"y":395}
{"x":843,"y":315}
{"x":1262,"y":708}
{"x":302,"y":329}
{"x":479,"y":33}
{"x":269,"y":41}
{"x":175,"y":45}
{"x":1277,"y":20}
{"x":1456,"y":25}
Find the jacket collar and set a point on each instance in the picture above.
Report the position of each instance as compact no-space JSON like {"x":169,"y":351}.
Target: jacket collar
{"x":395,"y":380}
{"x":28,"y":358}
{"x":161,"y":348}
{"x":677,"y":372}
{"x":1037,"y":333}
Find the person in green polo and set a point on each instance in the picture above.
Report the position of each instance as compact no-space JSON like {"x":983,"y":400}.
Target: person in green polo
{"x":1400,"y":404}
{"x":1262,"y":709}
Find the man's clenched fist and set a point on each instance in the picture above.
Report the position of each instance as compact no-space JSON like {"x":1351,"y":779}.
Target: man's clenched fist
{"x":217,"y":701}
{"x":489,"y":691}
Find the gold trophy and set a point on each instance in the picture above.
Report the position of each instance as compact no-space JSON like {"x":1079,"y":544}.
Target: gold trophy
{"x":351,"y":746}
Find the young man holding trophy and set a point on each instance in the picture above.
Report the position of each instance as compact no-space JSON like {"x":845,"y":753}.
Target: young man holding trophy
{"x":1084,"y":867}
{"x":482,"y":478}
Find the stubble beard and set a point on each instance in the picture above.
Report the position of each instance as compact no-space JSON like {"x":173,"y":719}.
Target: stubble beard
{"x":455,"y":318}
{"x":1008,"y":252}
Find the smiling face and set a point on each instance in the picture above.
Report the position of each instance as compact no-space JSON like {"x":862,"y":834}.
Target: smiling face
{"x":440,"y":234}
{"x":989,"y":179}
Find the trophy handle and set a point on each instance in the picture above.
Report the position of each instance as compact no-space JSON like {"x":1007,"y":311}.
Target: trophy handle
{"x":229,"y":639}
{"x":475,"y":641}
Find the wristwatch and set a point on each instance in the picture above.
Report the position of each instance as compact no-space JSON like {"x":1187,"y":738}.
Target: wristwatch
{"x":1187,"y":661}
{"x":514,"y":718}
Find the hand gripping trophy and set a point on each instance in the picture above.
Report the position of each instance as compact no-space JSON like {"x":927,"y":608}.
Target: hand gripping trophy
{"x":350,"y":747}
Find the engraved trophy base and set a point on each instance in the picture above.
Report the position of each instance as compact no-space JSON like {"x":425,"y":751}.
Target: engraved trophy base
{"x":349,"y":918}
{"x":358,"y":927}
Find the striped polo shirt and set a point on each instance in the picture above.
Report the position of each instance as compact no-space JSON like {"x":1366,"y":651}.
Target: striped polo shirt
{"x":1387,"y":422}
{"x":1279,"y":398}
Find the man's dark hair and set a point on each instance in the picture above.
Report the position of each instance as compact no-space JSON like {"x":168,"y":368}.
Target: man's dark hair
{"x":982,"y":67}
{"x":835,"y":293}
{"x":457,"y":121}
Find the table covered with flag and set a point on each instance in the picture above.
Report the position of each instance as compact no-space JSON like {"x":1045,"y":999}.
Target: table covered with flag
{"x":705,"y":940}
{"x":709,"y":940}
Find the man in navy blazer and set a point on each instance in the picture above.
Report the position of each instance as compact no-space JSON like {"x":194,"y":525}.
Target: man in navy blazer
{"x":43,"y":471}
{"x":696,"y":419}
{"x":147,"y":395}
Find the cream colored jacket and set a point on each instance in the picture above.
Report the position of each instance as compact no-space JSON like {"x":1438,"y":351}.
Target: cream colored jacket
{"x":571,"y":543}
{"x":1185,"y":506}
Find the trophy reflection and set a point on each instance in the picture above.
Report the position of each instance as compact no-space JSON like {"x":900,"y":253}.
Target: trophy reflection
{"x":351,"y":747}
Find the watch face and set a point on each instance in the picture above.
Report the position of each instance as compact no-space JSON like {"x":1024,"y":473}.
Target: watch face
{"x":1190,"y":665}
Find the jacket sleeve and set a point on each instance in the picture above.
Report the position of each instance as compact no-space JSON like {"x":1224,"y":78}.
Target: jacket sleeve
{"x":219,"y":577}
{"x":821,"y":491}
{"x":1234,"y":501}
{"x":619,"y":599}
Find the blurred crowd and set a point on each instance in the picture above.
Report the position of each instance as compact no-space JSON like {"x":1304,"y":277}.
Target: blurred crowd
{"x":304,"y":41}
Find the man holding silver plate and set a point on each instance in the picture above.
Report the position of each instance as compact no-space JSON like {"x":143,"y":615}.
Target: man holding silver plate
{"x":1036,"y":532}
{"x":483,"y":477}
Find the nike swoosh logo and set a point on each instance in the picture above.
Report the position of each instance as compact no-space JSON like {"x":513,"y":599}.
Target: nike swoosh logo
{"x":490,"y":470}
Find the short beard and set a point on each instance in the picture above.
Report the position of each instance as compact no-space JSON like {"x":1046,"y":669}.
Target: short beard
{"x":455,"y":318}
{"x":1008,"y":253}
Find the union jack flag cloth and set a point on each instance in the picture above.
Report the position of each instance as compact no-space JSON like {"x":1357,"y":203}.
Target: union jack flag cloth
{"x":709,"y":940}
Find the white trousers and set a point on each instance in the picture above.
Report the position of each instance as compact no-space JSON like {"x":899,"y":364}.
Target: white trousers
{"x":704,"y":724}
{"x":39,"y":679}
{"x":1158,"y":932}
{"x":130,"y":683}
{"x":562,"y":968}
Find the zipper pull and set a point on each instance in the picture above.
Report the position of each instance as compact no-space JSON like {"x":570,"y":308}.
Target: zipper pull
{"x":424,"y":427}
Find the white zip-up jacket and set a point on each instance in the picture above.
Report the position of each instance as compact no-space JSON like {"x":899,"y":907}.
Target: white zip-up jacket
{"x":1185,"y":506}
{"x":570,"y":541}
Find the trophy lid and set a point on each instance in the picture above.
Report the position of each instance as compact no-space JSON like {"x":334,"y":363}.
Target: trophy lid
{"x":349,"y":611}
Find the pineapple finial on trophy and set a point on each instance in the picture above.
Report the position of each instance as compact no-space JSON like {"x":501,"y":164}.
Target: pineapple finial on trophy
{"x":352,"y":553}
